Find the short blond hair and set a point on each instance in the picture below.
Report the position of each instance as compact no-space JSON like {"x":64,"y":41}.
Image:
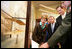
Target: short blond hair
{"x":44,"y":17}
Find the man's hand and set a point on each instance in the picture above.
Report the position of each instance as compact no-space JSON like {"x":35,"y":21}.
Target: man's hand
{"x":45,"y":45}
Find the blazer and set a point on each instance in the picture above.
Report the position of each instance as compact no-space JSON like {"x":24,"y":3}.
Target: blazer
{"x":59,"y":20}
{"x":39,"y":34}
{"x":50,"y":29}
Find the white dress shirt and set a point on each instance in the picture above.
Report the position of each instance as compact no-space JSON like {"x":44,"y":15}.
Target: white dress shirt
{"x":63,"y":16}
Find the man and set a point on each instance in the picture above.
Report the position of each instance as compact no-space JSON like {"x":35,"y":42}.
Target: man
{"x":52,"y":25}
{"x":52,"y":28}
{"x":61,"y":10}
{"x":40,"y":31}
{"x":63,"y":31}
{"x":62,"y":13}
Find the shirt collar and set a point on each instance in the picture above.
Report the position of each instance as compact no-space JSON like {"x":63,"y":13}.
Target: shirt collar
{"x":53,"y":23}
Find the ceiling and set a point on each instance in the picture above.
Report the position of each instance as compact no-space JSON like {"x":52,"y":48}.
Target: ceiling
{"x":47,"y":5}
{"x":52,"y":4}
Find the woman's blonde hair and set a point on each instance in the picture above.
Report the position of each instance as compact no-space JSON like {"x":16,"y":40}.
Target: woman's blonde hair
{"x":44,"y":17}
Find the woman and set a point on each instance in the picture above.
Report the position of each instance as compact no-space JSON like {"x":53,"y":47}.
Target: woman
{"x":40,"y":33}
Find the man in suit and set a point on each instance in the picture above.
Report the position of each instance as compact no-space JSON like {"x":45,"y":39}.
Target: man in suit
{"x":62,"y":13}
{"x":63,"y":31}
{"x":52,"y":27}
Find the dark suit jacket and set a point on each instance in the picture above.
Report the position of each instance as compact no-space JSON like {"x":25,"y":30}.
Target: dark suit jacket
{"x":59,"y":20}
{"x":51,"y":33}
{"x":50,"y":29}
{"x":39,"y":34}
{"x":63,"y":31}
